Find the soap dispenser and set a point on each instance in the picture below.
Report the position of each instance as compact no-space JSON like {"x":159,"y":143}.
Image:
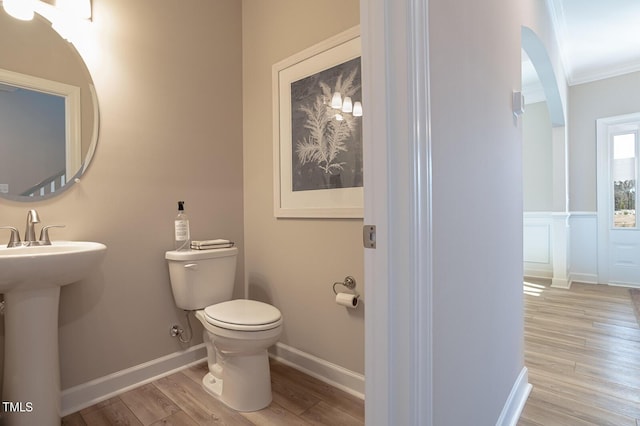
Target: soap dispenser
{"x":182,"y":233}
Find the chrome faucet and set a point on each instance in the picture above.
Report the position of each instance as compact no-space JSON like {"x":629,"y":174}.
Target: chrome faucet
{"x":30,"y":233}
{"x":14,"y":240}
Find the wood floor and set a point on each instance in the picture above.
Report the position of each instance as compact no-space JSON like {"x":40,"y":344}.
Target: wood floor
{"x":179,"y":399}
{"x":582,"y":349}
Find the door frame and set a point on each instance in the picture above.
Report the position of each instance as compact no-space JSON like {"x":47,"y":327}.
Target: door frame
{"x":397,"y":188}
{"x":603,"y":174}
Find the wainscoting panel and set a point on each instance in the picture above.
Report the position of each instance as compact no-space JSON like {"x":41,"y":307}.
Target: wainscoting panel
{"x":536,"y":252}
{"x":537,"y":238}
{"x":583,"y":247}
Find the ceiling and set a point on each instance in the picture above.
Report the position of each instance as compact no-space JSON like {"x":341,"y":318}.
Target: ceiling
{"x":597,"y":39}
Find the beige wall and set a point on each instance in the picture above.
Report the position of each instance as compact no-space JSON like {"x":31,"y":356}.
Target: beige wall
{"x":587,"y":103}
{"x":171,"y":128}
{"x":537,"y":159}
{"x":293,"y":263}
{"x":169,"y":82}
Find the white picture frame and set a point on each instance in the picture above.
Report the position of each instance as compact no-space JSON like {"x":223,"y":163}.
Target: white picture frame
{"x":318,"y":177}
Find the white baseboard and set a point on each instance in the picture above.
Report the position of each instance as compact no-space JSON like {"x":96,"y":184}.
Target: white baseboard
{"x":103,"y":388}
{"x":627,"y":285}
{"x":583,"y":278}
{"x":339,"y":377}
{"x":537,"y":271}
{"x":516,"y":401}
{"x":86,"y":394}
{"x":561,"y":283}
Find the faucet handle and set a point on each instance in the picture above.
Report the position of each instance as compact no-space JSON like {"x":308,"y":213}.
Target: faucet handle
{"x":44,"y":234}
{"x":14,"y":240}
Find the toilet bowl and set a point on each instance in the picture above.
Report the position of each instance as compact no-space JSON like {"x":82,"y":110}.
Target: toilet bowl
{"x":237,"y":333}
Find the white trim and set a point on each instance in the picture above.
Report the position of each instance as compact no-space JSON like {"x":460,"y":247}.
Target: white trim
{"x":516,"y":400}
{"x":398,"y":325}
{"x":560,"y":250}
{"x":533,"y":272}
{"x":583,"y":278}
{"x":378,"y":367}
{"x":103,"y":388}
{"x":580,"y":245}
{"x":548,"y":254}
{"x":332,"y":374}
{"x":603,"y":169}
{"x":422,"y":236}
{"x":537,"y":242}
{"x":564,"y":283}
{"x":556,"y":13}
{"x":623,"y":284}
{"x":593,"y":74}
{"x":537,"y":215}
{"x":583,"y":214}
{"x":602,"y":193}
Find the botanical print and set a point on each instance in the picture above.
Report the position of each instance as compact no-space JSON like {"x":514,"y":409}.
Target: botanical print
{"x":326,"y":151}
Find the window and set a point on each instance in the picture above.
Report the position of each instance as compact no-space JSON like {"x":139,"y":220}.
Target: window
{"x":624,"y":171}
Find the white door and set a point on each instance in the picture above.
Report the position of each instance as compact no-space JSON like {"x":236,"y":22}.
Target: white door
{"x":618,"y":225}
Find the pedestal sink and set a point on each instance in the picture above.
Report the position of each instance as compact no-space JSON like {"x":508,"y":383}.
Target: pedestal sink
{"x":30,"y":278}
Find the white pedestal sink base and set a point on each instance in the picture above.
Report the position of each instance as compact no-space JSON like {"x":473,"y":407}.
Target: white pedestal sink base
{"x":30,"y":279}
{"x":31,"y":359}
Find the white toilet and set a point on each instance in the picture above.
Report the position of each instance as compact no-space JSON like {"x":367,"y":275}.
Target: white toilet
{"x":237,"y":332}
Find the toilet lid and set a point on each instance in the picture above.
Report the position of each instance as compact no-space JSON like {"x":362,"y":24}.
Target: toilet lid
{"x":243,"y":314}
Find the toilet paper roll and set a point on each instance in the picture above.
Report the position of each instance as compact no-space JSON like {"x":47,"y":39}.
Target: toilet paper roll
{"x":347,"y":299}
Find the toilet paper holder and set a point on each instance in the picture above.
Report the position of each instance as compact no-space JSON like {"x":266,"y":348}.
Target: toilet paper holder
{"x":349,"y":282}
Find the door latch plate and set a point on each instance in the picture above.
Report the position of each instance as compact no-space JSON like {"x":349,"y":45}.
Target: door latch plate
{"x":369,"y":236}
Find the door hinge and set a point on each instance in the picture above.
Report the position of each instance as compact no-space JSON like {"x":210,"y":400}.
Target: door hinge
{"x":369,"y":236}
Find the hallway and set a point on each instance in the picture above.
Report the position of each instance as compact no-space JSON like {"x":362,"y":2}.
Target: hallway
{"x":582,"y":349}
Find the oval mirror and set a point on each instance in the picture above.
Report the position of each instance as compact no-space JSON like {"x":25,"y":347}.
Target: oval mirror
{"x":48,"y":111}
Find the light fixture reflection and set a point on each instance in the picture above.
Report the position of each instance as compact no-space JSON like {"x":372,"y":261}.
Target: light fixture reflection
{"x":336,"y":101}
{"x":77,"y":8}
{"x":357,"y":109}
{"x":19,"y":9}
{"x":69,"y":18}
{"x":347,"y":106}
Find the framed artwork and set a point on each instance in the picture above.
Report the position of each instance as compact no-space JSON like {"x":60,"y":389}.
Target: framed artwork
{"x":317,"y":131}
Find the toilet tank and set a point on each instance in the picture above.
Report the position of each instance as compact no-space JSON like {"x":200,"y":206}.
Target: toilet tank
{"x":200,"y":278}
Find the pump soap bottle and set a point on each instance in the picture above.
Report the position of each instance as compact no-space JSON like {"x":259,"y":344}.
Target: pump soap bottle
{"x":183,"y":236}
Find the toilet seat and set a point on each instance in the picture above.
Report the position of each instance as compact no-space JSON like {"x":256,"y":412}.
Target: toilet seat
{"x":243,"y":315}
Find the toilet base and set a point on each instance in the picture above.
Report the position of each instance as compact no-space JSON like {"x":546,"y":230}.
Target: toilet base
{"x":243,"y":383}
{"x":238,"y":363}
{"x":212,"y":385}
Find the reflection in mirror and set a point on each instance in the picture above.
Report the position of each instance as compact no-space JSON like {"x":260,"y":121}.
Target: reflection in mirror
{"x":40,"y":132}
{"x":48,"y":111}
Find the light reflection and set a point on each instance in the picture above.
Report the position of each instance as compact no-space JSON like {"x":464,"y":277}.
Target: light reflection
{"x":532,"y":289}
